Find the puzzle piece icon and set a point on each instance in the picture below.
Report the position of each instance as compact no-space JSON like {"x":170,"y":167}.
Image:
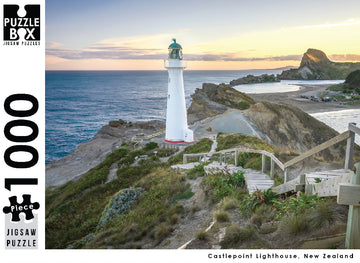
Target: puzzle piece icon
{"x":16,"y":208}
{"x":29,"y":24}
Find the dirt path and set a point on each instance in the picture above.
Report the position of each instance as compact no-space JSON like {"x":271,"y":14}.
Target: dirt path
{"x":198,"y":216}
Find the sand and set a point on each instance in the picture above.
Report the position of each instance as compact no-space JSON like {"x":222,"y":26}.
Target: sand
{"x":294,"y":98}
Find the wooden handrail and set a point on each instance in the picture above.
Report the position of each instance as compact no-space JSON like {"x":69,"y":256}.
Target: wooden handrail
{"x":347,"y":135}
{"x":354,"y":129}
{"x":238,"y":149}
{"x":323,"y":146}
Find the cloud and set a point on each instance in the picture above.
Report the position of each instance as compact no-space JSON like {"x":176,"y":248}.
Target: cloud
{"x":53,"y":44}
{"x":350,"y":22}
{"x":124,"y":53}
{"x":345,"y":57}
{"x":99,"y":52}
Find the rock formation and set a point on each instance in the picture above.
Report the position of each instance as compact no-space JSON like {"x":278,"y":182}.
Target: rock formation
{"x":290,"y":128}
{"x":316,"y":65}
{"x":250,"y":79}
{"x":91,"y":153}
{"x":215,"y":99}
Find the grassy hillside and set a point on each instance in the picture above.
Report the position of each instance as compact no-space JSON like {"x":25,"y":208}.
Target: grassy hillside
{"x":143,"y":205}
{"x":74,"y":209}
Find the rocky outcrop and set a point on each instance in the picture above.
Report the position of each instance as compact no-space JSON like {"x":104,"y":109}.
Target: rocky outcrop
{"x":250,"y":79}
{"x":316,"y":65}
{"x":215,"y":99}
{"x":290,"y":128}
{"x":89,"y":154}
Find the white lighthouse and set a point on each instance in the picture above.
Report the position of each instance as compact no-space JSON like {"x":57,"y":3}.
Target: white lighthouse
{"x":177,"y":130}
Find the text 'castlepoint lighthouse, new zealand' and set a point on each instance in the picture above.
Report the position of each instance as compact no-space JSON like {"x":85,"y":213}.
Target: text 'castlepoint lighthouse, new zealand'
{"x":177,"y":130}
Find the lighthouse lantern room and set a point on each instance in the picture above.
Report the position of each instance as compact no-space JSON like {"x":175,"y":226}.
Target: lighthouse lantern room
{"x":177,"y":130}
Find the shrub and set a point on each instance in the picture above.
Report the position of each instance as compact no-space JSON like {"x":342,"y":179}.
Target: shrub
{"x":229,"y":203}
{"x":161,"y":231}
{"x":324,"y":214}
{"x":235,"y":234}
{"x":237,"y":179}
{"x":222,"y":216}
{"x":257,"y":220}
{"x":150,"y":146}
{"x":174,"y":219}
{"x":119,"y":204}
{"x":221,"y":185}
{"x":197,"y":171}
{"x":202,"y":235}
{"x":295,"y":205}
{"x":257,"y":198}
{"x":294,"y":224}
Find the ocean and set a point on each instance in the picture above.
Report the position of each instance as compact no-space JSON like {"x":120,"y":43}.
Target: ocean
{"x":79,"y":103}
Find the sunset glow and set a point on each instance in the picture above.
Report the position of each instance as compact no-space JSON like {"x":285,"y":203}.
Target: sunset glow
{"x":233,"y":35}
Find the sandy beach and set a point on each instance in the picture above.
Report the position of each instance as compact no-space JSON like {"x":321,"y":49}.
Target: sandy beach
{"x":294,"y":98}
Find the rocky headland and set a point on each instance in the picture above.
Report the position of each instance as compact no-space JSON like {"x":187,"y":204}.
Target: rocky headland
{"x":91,"y":153}
{"x":316,"y":65}
{"x":214,"y":99}
{"x":251,"y":79}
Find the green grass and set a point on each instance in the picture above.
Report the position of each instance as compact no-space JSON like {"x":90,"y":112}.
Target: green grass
{"x":187,"y":194}
{"x":219,"y":185}
{"x":197,"y":171}
{"x":246,"y":160}
{"x":277,"y":180}
{"x":94,"y":177}
{"x":230,"y":140}
{"x":203,"y":146}
{"x":73,"y":210}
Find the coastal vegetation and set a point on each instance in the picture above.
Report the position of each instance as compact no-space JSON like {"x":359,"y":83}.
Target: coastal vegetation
{"x":347,"y":92}
{"x":144,"y":204}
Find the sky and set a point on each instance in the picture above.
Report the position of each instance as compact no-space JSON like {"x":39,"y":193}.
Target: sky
{"x":214,"y":35}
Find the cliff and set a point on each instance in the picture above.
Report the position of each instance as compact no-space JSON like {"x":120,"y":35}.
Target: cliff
{"x":215,"y":99}
{"x":316,"y":65}
{"x":91,"y":153}
{"x":290,"y":128}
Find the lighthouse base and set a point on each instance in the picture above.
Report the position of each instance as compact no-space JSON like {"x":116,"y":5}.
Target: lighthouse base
{"x":188,"y":137}
{"x":171,"y":141}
